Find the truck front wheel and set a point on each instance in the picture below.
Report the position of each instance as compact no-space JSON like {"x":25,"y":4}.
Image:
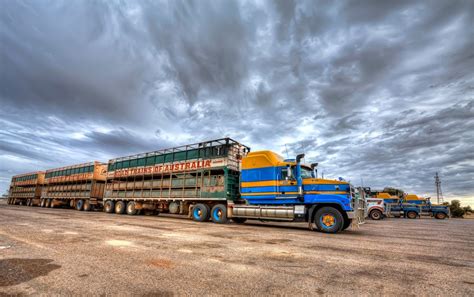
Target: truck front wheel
{"x":376,"y":215}
{"x":346,"y":225}
{"x":412,"y":215}
{"x":328,"y":220}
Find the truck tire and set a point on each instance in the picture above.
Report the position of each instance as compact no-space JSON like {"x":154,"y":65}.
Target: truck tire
{"x":329,"y":220}
{"x":411,"y":215}
{"x":120,"y":207}
{"x":131,"y":210}
{"x":173,"y":207}
{"x":376,"y":215}
{"x":109,"y":206}
{"x":219,"y":214}
{"x":201,"y":212}
{"x":48,"y":203}
{"x":80,"y":204}
{"x":440,"y":215}
{"x":346,"y":225}
{"x":87,"y":205}
{"x":71,"y":203}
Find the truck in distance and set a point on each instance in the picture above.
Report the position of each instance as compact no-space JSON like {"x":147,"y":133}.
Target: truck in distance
{"x":380,"y":205}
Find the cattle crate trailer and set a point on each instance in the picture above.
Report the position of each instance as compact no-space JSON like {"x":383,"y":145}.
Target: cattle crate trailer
{"x":78,"y":186}
{"x":25,"y":189}
{"x":176,"y":179}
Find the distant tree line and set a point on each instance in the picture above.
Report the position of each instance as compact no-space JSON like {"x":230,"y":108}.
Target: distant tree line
{"x":457,"y":211}
{"x":394,"y":191}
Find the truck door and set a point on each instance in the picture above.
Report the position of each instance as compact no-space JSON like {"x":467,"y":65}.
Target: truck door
{"x":286,"y":186}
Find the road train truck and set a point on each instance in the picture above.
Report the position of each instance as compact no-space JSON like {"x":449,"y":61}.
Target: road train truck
{"x":221,"y":180}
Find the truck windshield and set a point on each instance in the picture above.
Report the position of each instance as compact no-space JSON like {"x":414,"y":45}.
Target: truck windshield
{"x":306,"y":172}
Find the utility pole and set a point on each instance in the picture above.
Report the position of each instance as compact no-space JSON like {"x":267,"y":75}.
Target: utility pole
{"x":439,"y":193}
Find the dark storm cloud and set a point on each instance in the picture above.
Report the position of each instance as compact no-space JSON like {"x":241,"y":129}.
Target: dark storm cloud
{"x":374,"y":90}
{"x":119,"y":142}
{"x":68,"y":59}
{"x":207,"y":44}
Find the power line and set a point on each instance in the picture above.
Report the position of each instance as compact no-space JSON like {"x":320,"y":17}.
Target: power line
{"x":439,"y":193}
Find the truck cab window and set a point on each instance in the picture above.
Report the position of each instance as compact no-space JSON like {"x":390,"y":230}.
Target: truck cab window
{"x":306,"y":172}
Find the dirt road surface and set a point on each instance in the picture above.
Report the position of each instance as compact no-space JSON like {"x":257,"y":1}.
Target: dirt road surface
{"x":66,"y":252}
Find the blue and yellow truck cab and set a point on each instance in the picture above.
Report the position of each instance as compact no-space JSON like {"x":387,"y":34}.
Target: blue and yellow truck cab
{"x":276,"y":189}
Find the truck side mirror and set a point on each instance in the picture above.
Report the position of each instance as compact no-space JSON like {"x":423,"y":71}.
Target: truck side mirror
{"x":288,"y":172}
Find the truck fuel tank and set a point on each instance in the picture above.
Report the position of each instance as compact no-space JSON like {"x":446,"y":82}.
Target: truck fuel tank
{"x":287,"y":213}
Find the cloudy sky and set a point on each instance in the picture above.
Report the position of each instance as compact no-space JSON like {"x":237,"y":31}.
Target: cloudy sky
{"x":379,"y":92}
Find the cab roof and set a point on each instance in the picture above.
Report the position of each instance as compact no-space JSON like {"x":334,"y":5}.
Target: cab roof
{"x":261,"y":159}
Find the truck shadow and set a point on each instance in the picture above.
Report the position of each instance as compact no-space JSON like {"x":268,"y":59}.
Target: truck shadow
{"x":16,"y":271}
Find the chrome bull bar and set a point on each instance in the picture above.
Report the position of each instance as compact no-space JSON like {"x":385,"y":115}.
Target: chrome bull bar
{"x":359,"y":205}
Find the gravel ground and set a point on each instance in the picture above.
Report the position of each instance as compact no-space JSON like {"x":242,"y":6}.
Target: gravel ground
{"x":65,"y":252}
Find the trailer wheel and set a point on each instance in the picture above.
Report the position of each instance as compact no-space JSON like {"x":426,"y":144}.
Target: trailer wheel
{"x":201,"y":212}
{"x":71,"y":203}
{"x":87,"y":205}
{"x":80,"y":204}
{"x":412,"y":215}
{"x":131,"y":210}
{"x":239,"y":220}
{"x":376,"y":215}
{"x":109,"y":206}
{"x":174,"y":207}
{"x":219,"y":214}
{"x":440,"y":216}
{"x":48,"y":203}
{"x":328,"y":220}
{"x":120,"y":207}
